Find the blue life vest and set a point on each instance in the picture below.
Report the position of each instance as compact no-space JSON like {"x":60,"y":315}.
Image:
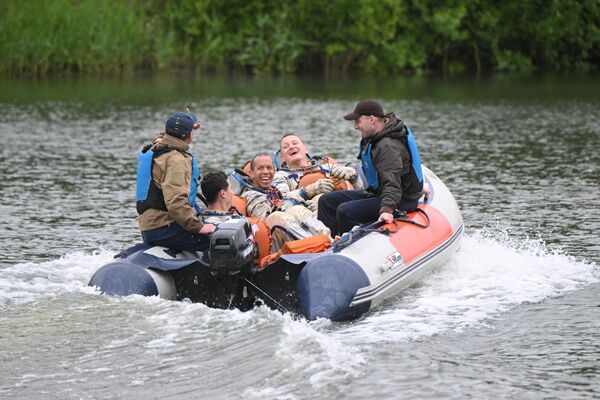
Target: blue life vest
{"x":194,"y":183}
{"x":368,"y":167}
{"x":370,"y":171}
{"x":414,"y":155}
{"x":144,"y":175}
{"x":148,"y":195}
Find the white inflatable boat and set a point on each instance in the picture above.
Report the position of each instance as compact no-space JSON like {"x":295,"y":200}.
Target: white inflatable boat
{"x":343,"y":282}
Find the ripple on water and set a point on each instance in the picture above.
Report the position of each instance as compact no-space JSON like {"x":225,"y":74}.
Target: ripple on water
{"x":510,"y":316}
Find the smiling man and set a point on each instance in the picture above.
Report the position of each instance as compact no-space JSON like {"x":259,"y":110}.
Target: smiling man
{"x":310,"y":176}
{"x":392,"y":167}
{"x":291,"y":211}
{"x":262,"y":171}
{"x":261,"y":198}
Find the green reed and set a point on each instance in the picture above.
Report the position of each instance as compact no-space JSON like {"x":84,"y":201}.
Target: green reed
{"x":93,"y":36}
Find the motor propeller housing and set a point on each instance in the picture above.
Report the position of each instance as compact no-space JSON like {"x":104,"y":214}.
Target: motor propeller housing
{"x":231,"y":248}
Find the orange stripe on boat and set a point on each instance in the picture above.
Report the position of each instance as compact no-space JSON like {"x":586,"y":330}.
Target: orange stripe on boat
{"x":412,"y":241}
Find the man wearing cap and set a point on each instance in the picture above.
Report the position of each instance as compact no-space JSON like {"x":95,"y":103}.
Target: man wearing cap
{"x":167,"y":184}
{"x":391,"y":164}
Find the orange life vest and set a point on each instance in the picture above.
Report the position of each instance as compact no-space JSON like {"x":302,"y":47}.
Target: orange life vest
{"x":312,"y":177}
{"x":240,"y":204}
{"x":262,"y":235}
{"x":313,"y":244}
{"x":314,"y":174}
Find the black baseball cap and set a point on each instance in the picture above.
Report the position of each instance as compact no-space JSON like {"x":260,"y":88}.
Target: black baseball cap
{"x":365,"y":107}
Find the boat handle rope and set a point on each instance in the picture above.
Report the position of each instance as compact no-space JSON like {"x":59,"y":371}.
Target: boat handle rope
{"x":354,"y":235}
{"x":401,"y":216}
{"x":283,"y":309}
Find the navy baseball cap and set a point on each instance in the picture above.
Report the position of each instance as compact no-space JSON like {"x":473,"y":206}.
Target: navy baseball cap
{"x":180,"y":124}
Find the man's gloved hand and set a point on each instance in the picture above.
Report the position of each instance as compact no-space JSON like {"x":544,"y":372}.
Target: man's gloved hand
{"x":341,"y":172}
{"x":289,"y":200}
{"x":293,"y":197}
{"x":310,"y":205}
{"x":284,"y":206}
{"x":320,"y":186}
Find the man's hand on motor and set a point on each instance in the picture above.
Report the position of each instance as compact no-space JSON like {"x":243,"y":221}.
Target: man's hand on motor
{"x":341,"y":172}
{"x":207,"y":228}
{"x":320,"y":186}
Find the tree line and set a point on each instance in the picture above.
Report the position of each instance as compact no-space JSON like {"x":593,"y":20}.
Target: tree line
{"x":274,"y":37}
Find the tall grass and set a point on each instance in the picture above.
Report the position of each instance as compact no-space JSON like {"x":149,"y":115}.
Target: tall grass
{"x":91,"y":36}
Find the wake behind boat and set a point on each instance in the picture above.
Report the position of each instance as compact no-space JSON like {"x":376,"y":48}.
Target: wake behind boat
{"x":341,"y":282}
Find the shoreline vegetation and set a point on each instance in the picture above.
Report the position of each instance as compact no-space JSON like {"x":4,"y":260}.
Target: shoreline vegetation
{"x":273,"y":38}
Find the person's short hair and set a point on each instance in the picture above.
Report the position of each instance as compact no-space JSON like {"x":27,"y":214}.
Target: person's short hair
{"x":289,"y":134}
{"x":212,"y":183}
{"x":256,"y":156}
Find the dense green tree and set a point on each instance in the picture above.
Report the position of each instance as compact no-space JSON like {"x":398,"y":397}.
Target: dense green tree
{"x":305,"y":36}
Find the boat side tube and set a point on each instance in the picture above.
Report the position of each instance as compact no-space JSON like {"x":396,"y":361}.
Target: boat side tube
{"x":124,"y":278}
{"x":327,"y":286}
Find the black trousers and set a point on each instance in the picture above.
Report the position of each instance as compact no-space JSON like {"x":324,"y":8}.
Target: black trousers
{"x":175,"y":237}
{"x":342,"y":210}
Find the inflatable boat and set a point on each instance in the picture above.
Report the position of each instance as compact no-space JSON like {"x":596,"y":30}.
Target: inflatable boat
{"x":316,"y":279}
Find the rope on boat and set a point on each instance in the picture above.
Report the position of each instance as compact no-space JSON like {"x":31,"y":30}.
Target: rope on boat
{"x":401,"y":216}
{"x":285,"y":310}
{"x":357,"y":233}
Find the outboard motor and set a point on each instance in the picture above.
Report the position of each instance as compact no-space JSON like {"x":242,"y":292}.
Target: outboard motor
{"x":232,"y":249}
{"x":232,"y":252}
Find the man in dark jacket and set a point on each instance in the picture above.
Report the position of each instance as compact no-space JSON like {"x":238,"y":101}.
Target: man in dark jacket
{"x":391,"y":164}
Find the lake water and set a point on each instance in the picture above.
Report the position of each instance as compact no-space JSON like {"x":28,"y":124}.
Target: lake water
{"x":514,"y":314}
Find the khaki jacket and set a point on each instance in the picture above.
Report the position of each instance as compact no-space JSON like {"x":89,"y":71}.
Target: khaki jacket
{"x":172,"y":174}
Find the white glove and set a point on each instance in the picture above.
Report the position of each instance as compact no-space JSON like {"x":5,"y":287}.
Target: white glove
{"x":310,"y":205}
{"x":320,"y":186}
{"x":290,"y":199}
{"x":293,"y":197}
{"x":283,"y":207}
{"x":341,"y":172}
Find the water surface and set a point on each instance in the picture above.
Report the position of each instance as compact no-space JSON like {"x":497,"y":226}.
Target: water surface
{"x":513,"y":314}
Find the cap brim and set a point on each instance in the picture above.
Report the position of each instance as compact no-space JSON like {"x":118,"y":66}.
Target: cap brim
{"x":352,"y":116}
